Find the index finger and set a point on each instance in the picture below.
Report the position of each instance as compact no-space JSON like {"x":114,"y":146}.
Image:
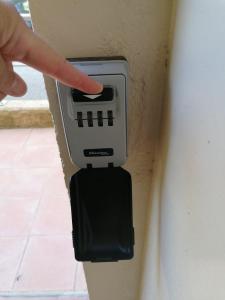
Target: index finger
{"x":42,"y":57}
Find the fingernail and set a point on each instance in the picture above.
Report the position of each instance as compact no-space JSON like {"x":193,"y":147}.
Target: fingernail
{"x":98,"y":87}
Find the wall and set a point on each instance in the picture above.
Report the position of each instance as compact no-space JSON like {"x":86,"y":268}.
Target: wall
{"x":185,"y":257}
{"x":138,"y":30}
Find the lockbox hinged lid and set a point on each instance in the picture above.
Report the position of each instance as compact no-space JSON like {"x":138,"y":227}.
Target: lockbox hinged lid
{"x":101,"y":204}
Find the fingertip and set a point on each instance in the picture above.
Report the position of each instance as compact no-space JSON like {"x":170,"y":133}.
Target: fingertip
{"x":90,"y":86}
{"x":95,"y":88}
{"x":99,"y":87}
{"x":75,"y":78}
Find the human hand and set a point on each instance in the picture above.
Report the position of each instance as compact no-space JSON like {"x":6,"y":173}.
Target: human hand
{"x":19,"y":43}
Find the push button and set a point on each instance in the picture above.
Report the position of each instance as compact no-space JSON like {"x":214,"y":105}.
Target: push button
{"x":100,"y":118}
{"x":110,"y":118}
{"x":90,"y":119}
{"x":80,"y":119}
{"x":106,"y":95}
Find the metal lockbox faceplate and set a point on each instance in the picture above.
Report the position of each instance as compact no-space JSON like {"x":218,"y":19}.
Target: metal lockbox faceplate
{"x":96,"y":128}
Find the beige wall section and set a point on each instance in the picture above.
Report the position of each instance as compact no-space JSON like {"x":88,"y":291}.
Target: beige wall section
{"x":186,"y":240}
{"x":138,"y":30}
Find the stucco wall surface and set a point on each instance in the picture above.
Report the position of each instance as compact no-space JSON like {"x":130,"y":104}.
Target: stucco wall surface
{"x":138,"y":30}
{"x":186,"y":241}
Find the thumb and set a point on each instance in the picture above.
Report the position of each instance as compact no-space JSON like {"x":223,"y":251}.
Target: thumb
{"x":10,"y":83}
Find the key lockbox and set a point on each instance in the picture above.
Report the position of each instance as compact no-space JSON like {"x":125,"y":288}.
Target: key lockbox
{"x":95,"y":128}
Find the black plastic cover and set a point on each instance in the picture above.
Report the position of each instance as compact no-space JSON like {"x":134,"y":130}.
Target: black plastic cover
{"x":101,"y":203}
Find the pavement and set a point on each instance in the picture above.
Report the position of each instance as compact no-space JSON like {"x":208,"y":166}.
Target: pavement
{"x":36,"y":252}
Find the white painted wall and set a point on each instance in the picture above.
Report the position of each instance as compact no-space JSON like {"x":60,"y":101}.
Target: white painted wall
{"x":185,"y":249}
{"x":137,"y":29}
